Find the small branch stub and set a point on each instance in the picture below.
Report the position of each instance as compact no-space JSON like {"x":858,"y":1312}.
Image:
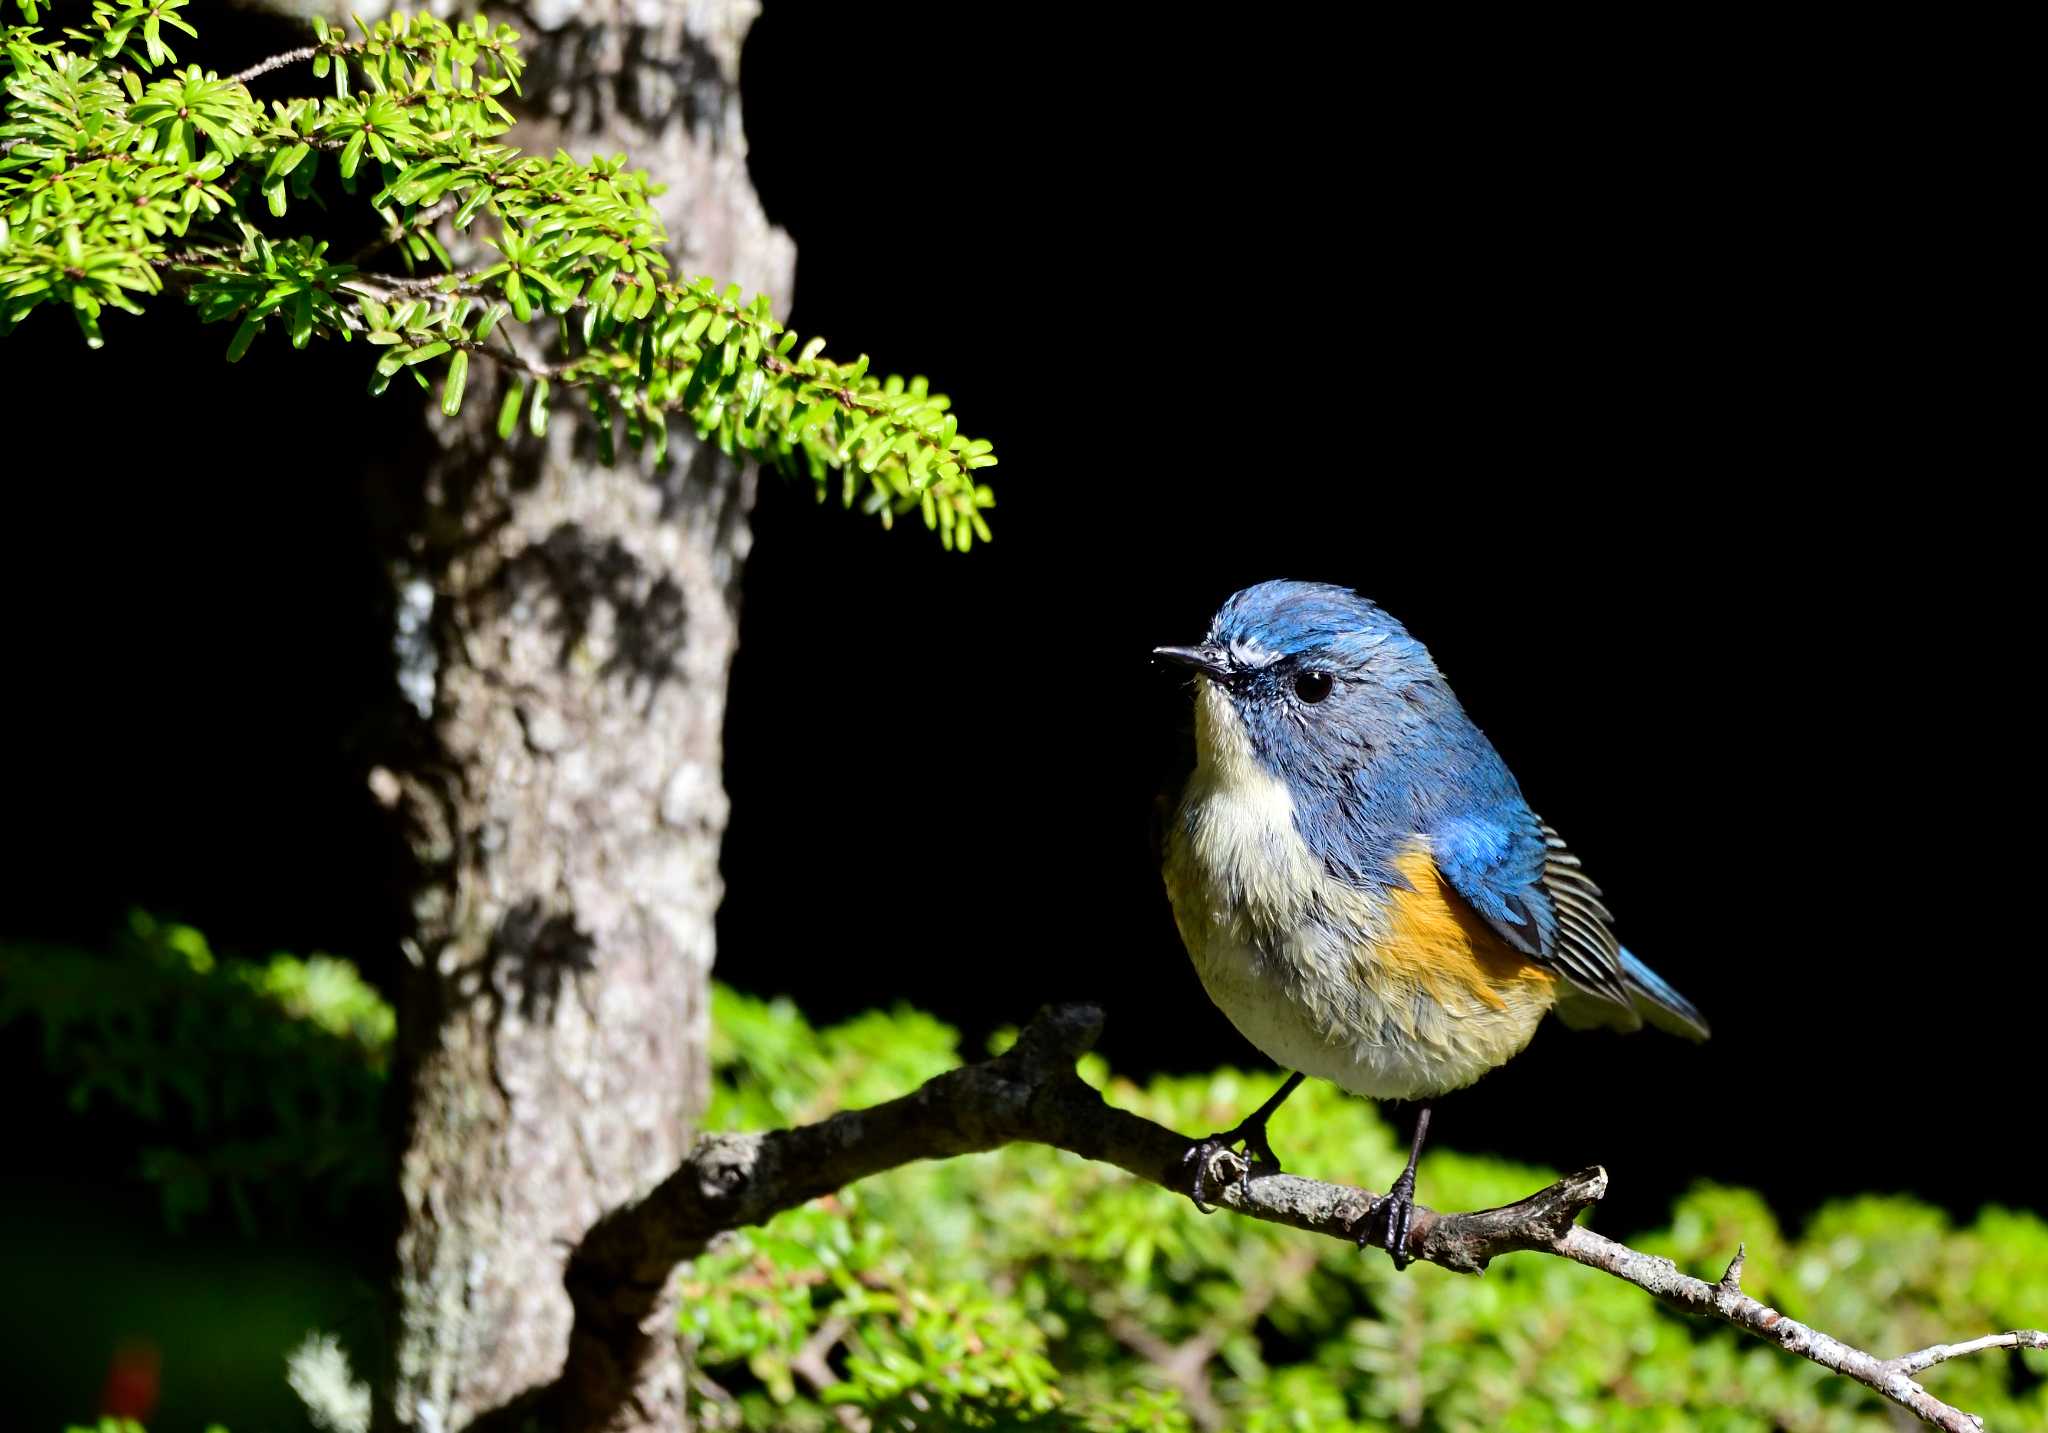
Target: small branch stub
{"x":1731,"y":1282}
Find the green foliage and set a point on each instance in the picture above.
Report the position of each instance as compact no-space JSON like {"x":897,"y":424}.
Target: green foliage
{"x":117,"y":182}
{"x":1031,"y":1288}
{"x":262,"y":1078}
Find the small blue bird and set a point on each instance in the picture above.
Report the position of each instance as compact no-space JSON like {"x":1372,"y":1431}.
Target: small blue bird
{"x":1361,"y":886}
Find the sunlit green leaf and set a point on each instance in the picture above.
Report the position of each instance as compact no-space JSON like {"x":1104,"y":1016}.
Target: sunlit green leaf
{"x":508,"y":408}
{"x":245,"y":333}
{"x":451,"y":388}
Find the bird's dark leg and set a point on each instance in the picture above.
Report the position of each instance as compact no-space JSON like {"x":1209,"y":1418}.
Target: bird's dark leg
{"x":1250,"y":1132}
{"x":1397,"y":1206}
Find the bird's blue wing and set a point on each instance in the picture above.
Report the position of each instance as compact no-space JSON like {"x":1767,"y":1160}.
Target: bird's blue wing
{"x":1447,"y":785}
{"x":1493,"y":857}
{"x":1518,"y":874}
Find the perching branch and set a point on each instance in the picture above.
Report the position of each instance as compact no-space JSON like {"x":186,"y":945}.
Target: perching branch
{"x":1032,"y":1094}
{"x":1725,"y":1300}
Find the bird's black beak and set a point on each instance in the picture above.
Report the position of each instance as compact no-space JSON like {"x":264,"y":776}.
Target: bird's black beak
{"x":1205,"y":658}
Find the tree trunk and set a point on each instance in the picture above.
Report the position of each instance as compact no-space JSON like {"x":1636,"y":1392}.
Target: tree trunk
{"x":565,"y":633}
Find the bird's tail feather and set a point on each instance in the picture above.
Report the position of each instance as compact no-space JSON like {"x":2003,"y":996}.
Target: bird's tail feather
{"x":1649,"y":998}
{"x":1658,"y":1003}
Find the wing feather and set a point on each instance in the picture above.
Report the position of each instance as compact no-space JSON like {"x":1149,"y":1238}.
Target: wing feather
{"x":1526,"y":883}
{"x":1584,"y":949}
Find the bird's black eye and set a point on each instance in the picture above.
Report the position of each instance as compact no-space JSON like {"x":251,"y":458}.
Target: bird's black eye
{"x":1312,"y":687}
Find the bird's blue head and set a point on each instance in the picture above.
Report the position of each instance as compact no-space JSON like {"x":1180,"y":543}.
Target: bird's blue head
{"x":1315,"y":683}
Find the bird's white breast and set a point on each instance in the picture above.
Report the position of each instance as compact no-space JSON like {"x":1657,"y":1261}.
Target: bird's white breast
{"x":1293,"y":956}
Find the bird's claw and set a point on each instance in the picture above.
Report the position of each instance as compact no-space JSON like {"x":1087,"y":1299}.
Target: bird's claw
{"x":1390,"y":1218}
{"x":1199,"y":1154}
{"x":1256,"y":1149}
{"x":1203,"y":1152}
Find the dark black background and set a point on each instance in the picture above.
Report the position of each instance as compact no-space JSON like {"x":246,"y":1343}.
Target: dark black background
{"x":1654,"y":379}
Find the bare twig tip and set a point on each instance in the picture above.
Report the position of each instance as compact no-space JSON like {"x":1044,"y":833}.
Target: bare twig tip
{"x":1585,"y":1188}
{"x":1731,"y":1282}
{"x":1061,"y":1033}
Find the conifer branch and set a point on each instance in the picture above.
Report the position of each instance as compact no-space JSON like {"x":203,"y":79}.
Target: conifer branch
{"x":111,"y":181}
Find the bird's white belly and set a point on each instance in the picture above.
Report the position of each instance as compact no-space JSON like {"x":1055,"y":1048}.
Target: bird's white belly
{"x":1305,"y":1015}
{"x":1293,"y":956}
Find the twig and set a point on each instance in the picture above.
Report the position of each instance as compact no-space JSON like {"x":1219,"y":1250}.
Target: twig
{"x":1726,"y":1301}
{"x":1910,"y":1363}
{"x":810,"y":1365}
{"x":276,"y":62}
{"x":1185,"y":1365}
{"x":770,"y":360}
{"x":1032,"y":1094}
{"x":391,"y":234}
{"x":421,"y":286}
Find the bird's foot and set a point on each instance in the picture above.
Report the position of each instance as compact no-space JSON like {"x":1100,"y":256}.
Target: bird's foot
{"x":1203,"y":1152}
{"x":1390,"y":1218}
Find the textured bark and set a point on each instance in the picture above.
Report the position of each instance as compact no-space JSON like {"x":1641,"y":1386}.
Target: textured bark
{"x":565,"y":633}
